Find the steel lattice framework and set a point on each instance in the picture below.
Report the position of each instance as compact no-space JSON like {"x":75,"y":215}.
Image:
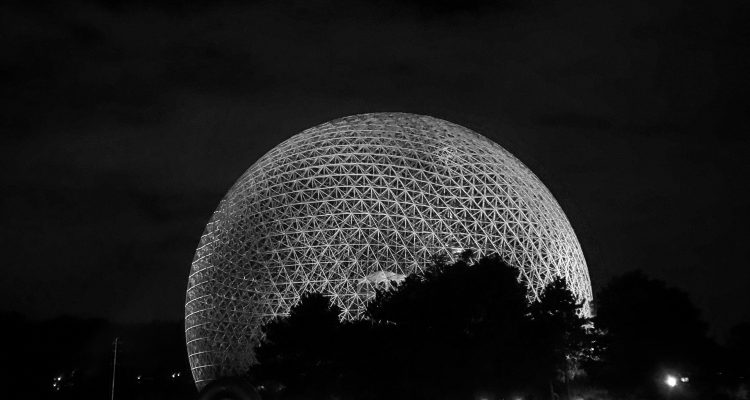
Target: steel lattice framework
{"x":358,"y":202}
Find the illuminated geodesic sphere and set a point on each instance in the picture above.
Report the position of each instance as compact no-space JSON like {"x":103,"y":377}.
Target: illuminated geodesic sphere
{"x":358,"y":202}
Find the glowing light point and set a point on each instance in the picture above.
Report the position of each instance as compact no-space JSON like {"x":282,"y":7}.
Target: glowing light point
{"x":670,"y":381}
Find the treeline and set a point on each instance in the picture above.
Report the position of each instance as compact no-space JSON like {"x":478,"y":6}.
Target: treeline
{"x":464,"y":330}
{"x":467,"y":331}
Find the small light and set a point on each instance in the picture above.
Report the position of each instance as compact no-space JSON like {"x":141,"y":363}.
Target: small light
{"x":671,"y":381}
{"x":684,"y":379}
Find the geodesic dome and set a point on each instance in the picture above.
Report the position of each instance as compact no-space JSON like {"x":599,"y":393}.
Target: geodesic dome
{"x":358,"y":202}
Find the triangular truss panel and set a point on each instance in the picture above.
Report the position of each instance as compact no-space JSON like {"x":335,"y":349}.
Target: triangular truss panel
{"x":340,"y":206}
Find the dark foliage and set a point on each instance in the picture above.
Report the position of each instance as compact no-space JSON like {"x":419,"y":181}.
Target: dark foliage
{"x":455,"y":331}
{"x":738,"y":346}
{"x":651,"y":330}
{"x":303,"y":352}
{"x":567,"y":339}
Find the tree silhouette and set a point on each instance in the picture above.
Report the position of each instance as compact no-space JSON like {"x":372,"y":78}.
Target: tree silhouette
{"x":302,"y":352}
{"x":567,"y":338}
{"x":466,"y":327}
{"x":455,"y":331}
{"x":738,"y":349}
{"x":650,"y":329}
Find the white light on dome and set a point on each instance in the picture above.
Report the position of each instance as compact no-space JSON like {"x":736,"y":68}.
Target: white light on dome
{"x":359,"y":202}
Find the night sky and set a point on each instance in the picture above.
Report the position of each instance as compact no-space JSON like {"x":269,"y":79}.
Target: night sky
{"x":123,"y":124}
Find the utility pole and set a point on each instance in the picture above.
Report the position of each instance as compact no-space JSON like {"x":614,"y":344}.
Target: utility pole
{"x":114,"y":369}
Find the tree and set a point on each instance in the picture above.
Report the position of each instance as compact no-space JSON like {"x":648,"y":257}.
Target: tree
{"x":301,"y":353}
{"x":466,"y":326}
{"x":650,"y":329}
{"x":738,"y":346}
{"x":567,"y":337}
{"x":458,"y":330}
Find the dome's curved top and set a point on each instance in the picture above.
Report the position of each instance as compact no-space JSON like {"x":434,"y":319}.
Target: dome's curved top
{"x":357,"y":202}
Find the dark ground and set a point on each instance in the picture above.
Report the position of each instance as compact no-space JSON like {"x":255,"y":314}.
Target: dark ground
{"x":80,"y":353}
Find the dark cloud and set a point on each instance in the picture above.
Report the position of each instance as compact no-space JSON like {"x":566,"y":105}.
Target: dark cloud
{"x":125,"y":122}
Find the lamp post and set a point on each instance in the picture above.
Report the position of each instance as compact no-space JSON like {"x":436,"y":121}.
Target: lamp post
{"x":114,"y":369}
